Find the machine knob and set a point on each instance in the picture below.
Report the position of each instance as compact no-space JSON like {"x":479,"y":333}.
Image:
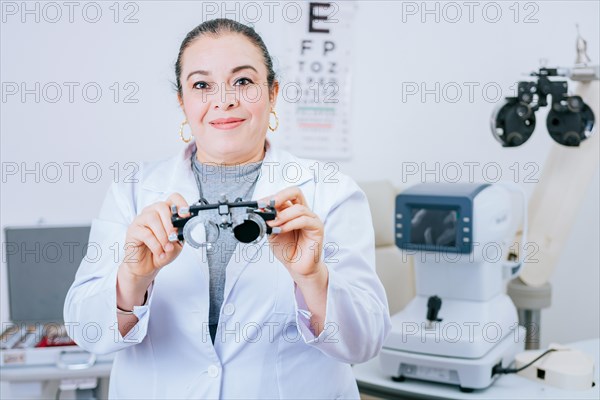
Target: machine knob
{"x":433,"y":308}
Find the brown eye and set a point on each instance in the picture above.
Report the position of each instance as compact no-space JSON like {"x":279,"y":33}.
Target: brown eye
{"x":200,"y":85}
{"x":245,"y":80}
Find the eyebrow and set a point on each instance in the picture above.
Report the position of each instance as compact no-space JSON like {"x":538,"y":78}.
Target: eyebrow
{"x":233,"y":71}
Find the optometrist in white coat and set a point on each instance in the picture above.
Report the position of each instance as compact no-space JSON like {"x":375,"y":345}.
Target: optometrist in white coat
{"x":288,"y":327}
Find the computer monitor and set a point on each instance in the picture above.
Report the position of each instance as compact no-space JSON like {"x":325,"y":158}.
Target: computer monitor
{"x":41,"y":265}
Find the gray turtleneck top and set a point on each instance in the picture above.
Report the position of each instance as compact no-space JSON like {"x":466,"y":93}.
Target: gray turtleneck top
{"x":213,"y":181}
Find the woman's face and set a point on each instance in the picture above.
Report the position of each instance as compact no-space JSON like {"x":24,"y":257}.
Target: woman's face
{"x":226,"y":78}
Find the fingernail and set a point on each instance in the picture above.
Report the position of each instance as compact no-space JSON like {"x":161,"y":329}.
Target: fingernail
{"x":276,"y":230}
{"x":184,"y":210}
{"x":169,"y":247}
{"x":162,"y":256}
{"x":172,"y":237}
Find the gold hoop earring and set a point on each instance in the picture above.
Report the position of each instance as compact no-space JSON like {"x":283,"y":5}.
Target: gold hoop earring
{"x":276,"y":122}
{"x":185,"y":140}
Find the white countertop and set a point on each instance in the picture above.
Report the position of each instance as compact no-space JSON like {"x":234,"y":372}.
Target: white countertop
{"x":371,"y":380}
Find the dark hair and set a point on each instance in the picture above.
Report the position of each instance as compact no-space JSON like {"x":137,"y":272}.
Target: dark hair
{"x":216,"y":28}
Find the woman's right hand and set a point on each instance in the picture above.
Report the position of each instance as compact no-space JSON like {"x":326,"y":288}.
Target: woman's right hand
{"x":147,"y":245}
{"x":147,"y":250}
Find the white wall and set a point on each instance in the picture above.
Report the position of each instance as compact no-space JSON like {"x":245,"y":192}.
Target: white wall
{"x":390,"y":135}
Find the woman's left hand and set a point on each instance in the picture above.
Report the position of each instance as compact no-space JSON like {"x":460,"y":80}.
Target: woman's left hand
{"x":299,"y":245}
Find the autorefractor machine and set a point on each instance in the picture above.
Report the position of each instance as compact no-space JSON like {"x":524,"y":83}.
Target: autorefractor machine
{"x":461,"y":325}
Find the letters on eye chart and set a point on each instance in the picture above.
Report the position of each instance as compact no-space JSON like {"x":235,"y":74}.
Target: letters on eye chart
{"x":316,"y":91}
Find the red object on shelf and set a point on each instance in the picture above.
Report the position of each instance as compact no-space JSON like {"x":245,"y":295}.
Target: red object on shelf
{"x":55,"y":341}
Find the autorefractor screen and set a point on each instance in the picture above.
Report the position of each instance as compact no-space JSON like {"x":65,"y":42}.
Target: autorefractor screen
{"x":433,"y":226}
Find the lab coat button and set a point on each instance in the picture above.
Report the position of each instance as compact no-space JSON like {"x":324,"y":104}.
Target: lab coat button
{"x":213,"y":371}
{"x":229,"y":309}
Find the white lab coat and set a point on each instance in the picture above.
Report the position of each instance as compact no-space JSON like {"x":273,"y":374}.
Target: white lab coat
{"x":263,"y":347}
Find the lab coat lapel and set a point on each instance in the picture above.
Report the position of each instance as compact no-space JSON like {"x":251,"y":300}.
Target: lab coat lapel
{"x":272,"y":180}
{"x":178,"y":177}
{"x":182,"y":178}
{"x":175,"y":176}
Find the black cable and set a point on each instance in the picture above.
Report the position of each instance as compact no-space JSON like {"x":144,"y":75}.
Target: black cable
{"x":499,"y":370}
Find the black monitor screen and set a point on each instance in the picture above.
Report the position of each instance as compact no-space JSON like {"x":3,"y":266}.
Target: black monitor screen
{"x":41,"y":264}
{"x":433,"y":226}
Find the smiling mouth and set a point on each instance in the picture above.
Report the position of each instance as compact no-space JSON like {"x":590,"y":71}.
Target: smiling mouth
{"x":227,"y":122}
{"x":227,"y":125}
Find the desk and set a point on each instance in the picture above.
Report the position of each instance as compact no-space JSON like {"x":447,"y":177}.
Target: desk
{"x":371,"y":381}
{"x":42,"y":381}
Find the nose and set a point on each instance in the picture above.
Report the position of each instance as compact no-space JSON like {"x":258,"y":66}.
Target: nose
{"x":226,"y":100}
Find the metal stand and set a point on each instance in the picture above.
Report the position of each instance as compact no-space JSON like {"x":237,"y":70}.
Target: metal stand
{"x":530,"y":301}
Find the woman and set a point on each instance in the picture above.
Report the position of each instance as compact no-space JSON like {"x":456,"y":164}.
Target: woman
{"x":281,"y":320}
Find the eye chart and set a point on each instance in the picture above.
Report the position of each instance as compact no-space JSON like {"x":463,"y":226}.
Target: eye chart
{"x":315,"y":90}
